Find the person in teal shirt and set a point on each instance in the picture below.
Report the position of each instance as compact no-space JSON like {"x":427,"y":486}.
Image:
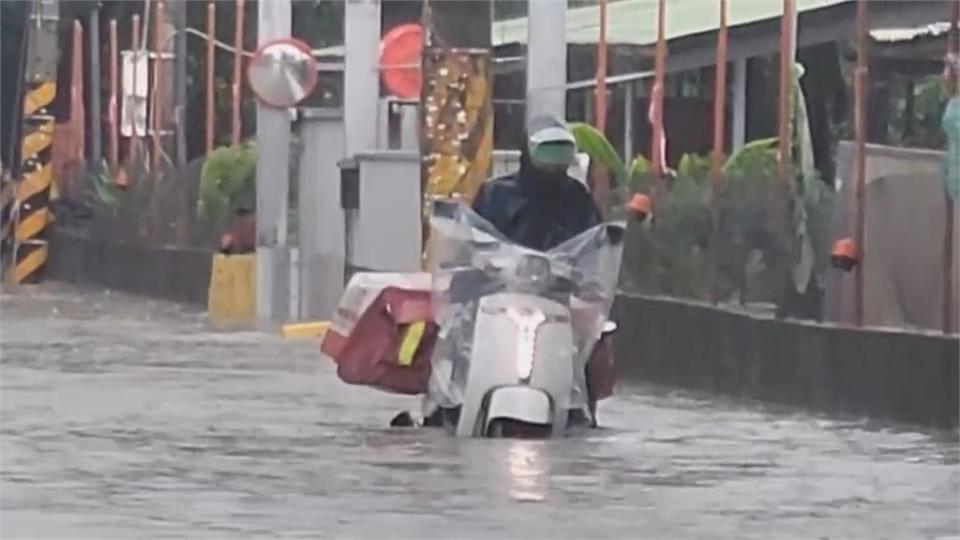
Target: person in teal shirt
{"x":951,"y":126}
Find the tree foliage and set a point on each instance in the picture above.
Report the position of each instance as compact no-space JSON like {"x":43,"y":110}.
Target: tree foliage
{"x":227,"y":182}
{"x":670,"y":254}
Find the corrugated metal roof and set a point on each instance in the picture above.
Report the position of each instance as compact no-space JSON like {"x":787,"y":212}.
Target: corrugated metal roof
{"x":634,"y":22}
{"x":907,"y":34}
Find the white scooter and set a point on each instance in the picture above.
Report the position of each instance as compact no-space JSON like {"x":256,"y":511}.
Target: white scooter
{"x":517,"y":326}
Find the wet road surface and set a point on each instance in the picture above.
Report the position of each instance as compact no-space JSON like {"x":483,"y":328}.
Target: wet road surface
{"x":127,"y":418}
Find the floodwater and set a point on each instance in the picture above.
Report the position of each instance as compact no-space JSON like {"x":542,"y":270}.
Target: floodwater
{"x":126,"y":418}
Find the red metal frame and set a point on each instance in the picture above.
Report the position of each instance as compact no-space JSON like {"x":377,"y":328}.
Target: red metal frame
{"x":600,"y":95}
{"x":236,"y":87}
{"x":211,"y":36}
{"x":719,"y":101}
{"x":657,"y":150}
{"x":112,"y":107}
{"x":134,"y":142}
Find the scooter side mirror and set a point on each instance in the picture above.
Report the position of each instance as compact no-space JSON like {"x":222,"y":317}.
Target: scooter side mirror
{"x":615,"y":234}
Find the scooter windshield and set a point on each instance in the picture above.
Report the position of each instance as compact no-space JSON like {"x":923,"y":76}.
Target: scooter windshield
{"x":469,"y":259}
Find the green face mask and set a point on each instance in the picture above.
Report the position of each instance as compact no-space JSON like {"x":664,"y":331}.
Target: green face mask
{"x":552,"y":155}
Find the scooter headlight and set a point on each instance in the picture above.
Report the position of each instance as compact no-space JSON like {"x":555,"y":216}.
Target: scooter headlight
{"x":533,"y":270}
{"x":527,"y":321}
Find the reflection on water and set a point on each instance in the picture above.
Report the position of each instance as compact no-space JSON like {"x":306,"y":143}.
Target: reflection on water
{"x":528,"y":471}
{"x":125,"y":419}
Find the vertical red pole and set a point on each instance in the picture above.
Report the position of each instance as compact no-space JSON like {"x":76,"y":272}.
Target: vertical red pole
{"x":786,"y":91}
{"x":860,"y":156}
{"x":953,"y":45}
{"x":657,"y":151}
{"x":600,"y":120}
{"x":78,"y":115}
{"x":600,"y":180}
{"x":211,"y":33}
{"x":158,"y":21}
{"x":719,"y":103}
{"x":114,"y":151}
{"x":779,"y":201}
{"x":77,"y":107}
{"x":716,"y":165}
{"x":134,"y":144}
{"x":237,"y":70}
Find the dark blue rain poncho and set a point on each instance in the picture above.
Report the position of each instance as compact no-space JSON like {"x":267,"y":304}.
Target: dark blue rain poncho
{"x":535,"y":208}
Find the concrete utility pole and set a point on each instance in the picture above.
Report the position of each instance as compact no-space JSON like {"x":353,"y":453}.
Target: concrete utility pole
{"x":547,"y":58}
{"x":273,"y":157}
{"x":361,"y":77}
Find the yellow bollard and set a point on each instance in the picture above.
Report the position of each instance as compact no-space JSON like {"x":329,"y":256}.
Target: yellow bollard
{"x":305,"y":330}
{"x":232,"y":299}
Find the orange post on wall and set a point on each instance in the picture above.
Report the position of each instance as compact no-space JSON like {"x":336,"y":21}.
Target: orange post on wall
{"x":211,"y":36}
{"x":158,"y":21}
{"x":78,"y":107}
{"x":600,"y":94}
{"x":719,"y":102}
{"x":113,"y":152}
{"x":658,"y":140}
{"x":134,"y":143}
{"x":600,"y":180}
{"x":786,"y":91}
{"x":717,"y":157}
{"x":235,"y":125}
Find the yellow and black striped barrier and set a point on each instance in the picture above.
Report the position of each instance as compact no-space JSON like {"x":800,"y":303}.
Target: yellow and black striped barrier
{"x":8,"y":198}
{"x":31,"y":214}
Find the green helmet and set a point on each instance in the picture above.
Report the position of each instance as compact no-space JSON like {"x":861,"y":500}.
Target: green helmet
{"x":550,"y":143}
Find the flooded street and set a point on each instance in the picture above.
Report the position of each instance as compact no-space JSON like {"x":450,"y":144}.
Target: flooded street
{"x":129,"y":418}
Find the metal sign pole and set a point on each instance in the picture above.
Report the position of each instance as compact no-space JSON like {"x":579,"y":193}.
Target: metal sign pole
{"x":273,"y":156}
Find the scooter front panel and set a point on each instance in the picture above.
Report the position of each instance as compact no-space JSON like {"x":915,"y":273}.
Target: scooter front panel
{"x":502,"y":354}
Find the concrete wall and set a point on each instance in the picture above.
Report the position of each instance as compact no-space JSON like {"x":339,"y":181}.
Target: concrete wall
{"x":177,"y":274}
{"x":884,"y":375}
{"x":903,"y":252}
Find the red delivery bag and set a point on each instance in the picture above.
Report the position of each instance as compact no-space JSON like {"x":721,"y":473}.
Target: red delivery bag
{"x":382,"y":334}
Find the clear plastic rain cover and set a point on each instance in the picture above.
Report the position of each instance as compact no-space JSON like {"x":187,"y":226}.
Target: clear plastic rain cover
{"x":470,"y":259}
